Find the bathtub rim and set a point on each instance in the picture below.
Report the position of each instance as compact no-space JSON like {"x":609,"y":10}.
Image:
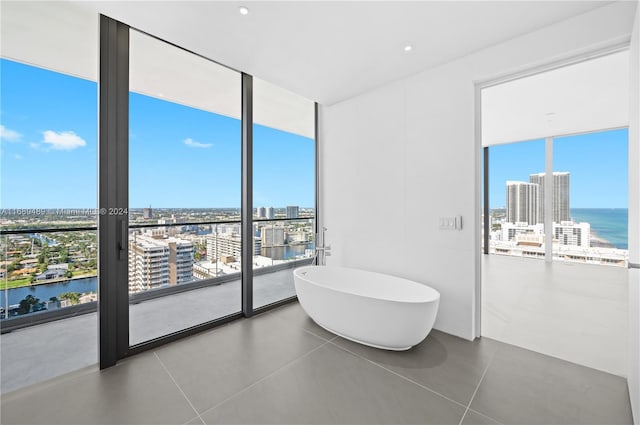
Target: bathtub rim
{"x":297,"y":271}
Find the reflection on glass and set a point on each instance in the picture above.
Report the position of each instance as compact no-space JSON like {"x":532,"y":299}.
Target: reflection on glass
{"x":516,"y":196}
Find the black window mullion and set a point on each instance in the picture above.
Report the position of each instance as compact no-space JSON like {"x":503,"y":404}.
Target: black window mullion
{"x":247,"y":195}
{"x":113,"y":268}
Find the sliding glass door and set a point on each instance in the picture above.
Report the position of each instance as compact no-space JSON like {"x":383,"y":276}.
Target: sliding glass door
{"x":182,"y":248}
{"x":184,"y":189}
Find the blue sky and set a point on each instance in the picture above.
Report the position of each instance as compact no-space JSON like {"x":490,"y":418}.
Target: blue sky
{"x":179,"y":157}
{"x":597,"y":163}
{"x":184,"y":157}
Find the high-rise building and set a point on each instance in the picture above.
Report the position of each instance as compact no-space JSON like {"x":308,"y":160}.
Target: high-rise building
{"x":272,"y":236}
{"x":560,"y":197}
{"x":262,"y":212}
{"x":156,"y":261}
{"x":147,"y":212}
{"x":228,"y":245}
{"x":570,"y":233}
{"x":270,"y":213}
{"x":522,"y":202}
{"x":293,"y":211}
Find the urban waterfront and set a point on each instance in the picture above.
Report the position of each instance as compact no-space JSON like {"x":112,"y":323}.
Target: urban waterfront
{"x":609,"y":224}
{"x":47,"y":290}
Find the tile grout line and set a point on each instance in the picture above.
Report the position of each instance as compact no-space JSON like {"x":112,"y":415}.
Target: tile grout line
{"x":478,"y":387}
{"x":179,"y":388}
{"x":396,"y":373}
{"x":294,"y":326}
{"x":264,"y":378}
{"x":318,"y":336}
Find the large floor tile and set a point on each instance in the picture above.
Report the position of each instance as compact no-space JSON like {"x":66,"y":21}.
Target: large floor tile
{"x":137,"y":391}
{"x":331,"y":386}
{"x":475,"y":418}
{"x":524,"y":387}
{"x":448,"y":365}
{"x":212,"y":366}
{"x":294,"y":315}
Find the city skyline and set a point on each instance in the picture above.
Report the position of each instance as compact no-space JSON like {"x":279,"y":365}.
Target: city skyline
{"x":178,"y":156}
{"x":598,"y":163}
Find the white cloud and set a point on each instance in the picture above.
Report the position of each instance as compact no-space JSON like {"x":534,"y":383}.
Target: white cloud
{"x":192,"y":143}
{"x":65,"y":140}
{"x":17,"y":156}
{"x":9,"y":135}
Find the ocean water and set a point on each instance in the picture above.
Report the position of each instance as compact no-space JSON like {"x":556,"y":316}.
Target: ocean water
{"x":610,"y":224}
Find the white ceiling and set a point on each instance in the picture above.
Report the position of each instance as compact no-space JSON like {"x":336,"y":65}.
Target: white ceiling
{"x":328,"y":51}
{"x":587,"y":96}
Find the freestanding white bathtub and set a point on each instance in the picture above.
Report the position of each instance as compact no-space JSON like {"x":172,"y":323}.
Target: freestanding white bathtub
{"x":370,"y":308}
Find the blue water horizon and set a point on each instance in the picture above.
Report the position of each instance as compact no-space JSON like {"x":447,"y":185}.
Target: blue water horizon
{"x":609,"y":224}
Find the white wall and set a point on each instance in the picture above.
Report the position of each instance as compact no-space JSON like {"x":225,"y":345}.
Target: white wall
{"x":395,"y":159}
{"x":634,"y":221}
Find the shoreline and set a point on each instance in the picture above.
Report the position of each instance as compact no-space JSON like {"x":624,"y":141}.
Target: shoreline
{"x":597,"y":241}
{"x":47,"y":282}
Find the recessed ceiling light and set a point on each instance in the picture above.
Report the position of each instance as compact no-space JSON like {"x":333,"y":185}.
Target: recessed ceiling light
{"x":408,"y":48}
{"x":243,"y":10}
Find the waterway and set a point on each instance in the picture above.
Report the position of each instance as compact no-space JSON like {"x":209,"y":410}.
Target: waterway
{"x":48,"y":290}
{"x":286,"y":252}
{"x":90,"y":284}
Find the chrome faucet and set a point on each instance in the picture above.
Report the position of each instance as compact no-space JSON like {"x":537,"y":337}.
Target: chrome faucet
{"x":322,"y":251}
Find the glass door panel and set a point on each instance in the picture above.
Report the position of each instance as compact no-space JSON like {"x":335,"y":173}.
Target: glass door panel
{"x":184,"y":189}
{"x":283,"y":189}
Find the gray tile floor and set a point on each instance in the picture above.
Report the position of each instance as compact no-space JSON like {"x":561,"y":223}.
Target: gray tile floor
{"x":41,"y":352}
{"x":280,"y":367}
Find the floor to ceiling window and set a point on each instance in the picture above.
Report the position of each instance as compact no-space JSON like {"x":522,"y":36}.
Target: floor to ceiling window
{"x":516,"y":201}
{"x":165,"y":256}
{"x":556,"y":188}
{"x":590,"y":207}
{"x":48,"y":194}
{"x":176,"y":156}
{"x":283,"y":188}
{"x":184,"y":189}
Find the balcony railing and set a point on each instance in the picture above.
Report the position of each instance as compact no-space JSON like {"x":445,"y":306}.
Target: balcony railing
{"x":294,"y":251}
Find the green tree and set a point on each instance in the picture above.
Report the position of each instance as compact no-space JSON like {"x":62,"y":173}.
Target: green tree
{"x":64,"y":255}
{"x":73,"y":297}
{"x":26,"y":304}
